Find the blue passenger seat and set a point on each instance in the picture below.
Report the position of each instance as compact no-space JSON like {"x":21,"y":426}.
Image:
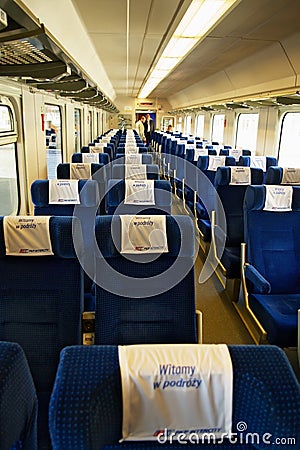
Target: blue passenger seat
{"x":86,"y":403}
{"x":145,"y":300}
{"x":41,"y":302}
{"x":272,"y":265}
{"x":98,"y":173}
{"x":232,"y":198}
{"x":116,"y":196}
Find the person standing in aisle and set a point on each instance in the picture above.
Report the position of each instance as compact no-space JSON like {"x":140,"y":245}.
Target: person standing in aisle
{"x":149,"y":129}
{"x":139,"y":126}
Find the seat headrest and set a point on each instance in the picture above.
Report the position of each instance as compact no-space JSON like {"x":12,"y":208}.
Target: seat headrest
{"x":203,"y":162}
{"x":118,"y":171}
{"x":255,"y":197}
{"x":180,"y":229}
{"x":223,"y":176}
{"x":62,"y":231}
{"x":281,"y":175}
{"x":63,"y":170}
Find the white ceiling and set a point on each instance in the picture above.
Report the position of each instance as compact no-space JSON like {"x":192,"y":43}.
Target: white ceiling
{"x":250,"y":27}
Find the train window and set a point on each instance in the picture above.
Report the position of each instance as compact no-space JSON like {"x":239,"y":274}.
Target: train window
{"x":188,"y":124}
{"x":246,"y":131}
{"x":218,"y":128}
{"x":289,"y":155}
{"x":9,"y":197}
{"x":166,"y":121}
{"x":53,"y":123}
{"x":200,"y":125}
{"x":77,"y":122}
{"x":179,"y":124}
{"x":6,"y":119}
{"x":9,"y":192}
{"x":90,"y":123}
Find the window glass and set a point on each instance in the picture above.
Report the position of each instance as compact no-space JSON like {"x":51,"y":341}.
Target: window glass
{"x":179,"y":124}
{"x":9,"y":196}
{"x":53,"y":124}
{"x":289,"y":145}
{"x":200,"y":126}
{"x":218,"y":128}
{"x":188,"y":124}
{"x":246,"y":131}
{"x":77,"y":122}
{"x":6,"y":119}
{"x":90,"y":122}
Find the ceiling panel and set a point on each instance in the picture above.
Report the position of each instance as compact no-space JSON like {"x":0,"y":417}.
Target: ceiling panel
{"x":251,"y":27}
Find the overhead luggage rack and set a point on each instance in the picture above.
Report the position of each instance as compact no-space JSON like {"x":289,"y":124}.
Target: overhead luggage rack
{"x":28,"y":51}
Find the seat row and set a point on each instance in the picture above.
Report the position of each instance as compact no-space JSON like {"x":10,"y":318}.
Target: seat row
{"x":140,"y":298}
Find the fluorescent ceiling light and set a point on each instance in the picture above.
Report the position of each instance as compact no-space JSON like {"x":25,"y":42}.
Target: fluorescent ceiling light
{"x":199,"y":19}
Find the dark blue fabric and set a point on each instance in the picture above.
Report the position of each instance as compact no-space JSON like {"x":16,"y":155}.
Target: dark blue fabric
{"x":273,"y":248}
{"x":116,"y":196}
{"x":41,"y":302}
{"x":18,"y":400}
{"x":86,"y":404}
{"x":165,"y":317}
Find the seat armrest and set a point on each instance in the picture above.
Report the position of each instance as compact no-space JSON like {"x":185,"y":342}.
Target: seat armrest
{"x":261,"y":285}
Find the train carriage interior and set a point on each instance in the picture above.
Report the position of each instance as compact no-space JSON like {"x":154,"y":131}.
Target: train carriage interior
{"x":149,"y":224}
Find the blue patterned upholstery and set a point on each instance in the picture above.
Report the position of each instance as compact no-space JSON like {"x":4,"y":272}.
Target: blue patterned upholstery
{"x":18,"y":401}
{"x":41,"y":301}
{"x":232,"y":198}
{"x":86,"y":403}
{"x":116,"y":195}
{"x":118,"y":171}
{"x":273,"y":249}
{"x":168,"y":315}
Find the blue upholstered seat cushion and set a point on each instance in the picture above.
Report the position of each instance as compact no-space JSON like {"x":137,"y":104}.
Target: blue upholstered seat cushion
{"x":278,"y":314}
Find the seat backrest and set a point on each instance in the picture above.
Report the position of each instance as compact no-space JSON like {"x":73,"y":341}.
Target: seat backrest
{"x":272,"y":239}
{"x":41,"y":302}
{"x":232,"y":198}
{"x":116,"y":196}
{"x":152,"y":170}
{"x":98,"y":172}
{"x":103,"y":158}
{"x":87,"y":399}
{"x":275,"y":175}
{"x":203,"y":165}
{"x":18,"y":401}
{"x":249,"y":161}
{"x":153,"y":286}
{"x":88,"y":196}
